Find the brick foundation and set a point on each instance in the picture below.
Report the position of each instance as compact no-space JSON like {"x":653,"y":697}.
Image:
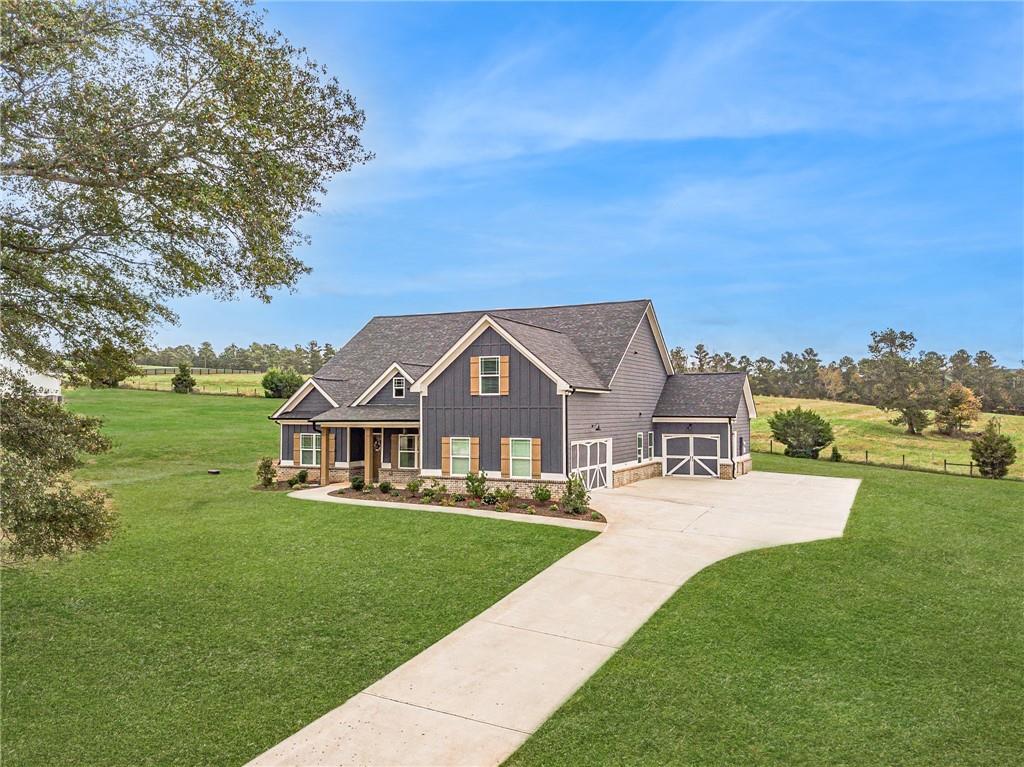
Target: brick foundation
{"x":397,"y":476}
{"x":284,"y":473}
{"x":636,"y":473}
{"x":523,"y":487}
{"x":725,"y":471}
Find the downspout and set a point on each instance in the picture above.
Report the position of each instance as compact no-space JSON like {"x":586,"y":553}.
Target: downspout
{"x":565,"y":432}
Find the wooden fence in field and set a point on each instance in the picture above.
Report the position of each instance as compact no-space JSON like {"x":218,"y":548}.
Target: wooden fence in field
{"x":160,"y":370}
{"x":224,"y":390}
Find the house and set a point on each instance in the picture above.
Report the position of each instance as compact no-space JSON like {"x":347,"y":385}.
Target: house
{"x":524,"y":395}
{"x":47,"y":386}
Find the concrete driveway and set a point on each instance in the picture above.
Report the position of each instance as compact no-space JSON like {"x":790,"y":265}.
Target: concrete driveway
{"x":477,"y":694}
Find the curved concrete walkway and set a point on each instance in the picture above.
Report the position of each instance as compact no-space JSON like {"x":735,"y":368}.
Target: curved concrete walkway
{"x":477,"y":694}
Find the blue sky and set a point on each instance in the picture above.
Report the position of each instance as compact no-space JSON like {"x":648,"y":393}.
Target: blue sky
{"x":772,"y":176}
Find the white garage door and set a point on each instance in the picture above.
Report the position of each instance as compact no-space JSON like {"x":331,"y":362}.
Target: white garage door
{"x":690,"y":455}
{"x":591,"y":459}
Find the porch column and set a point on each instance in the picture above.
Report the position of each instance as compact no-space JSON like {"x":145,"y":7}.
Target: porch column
{"x":326,"y":459}
{"x":368,"y":457}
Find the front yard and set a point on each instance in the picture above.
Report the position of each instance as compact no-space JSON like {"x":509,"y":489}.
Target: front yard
{"x":900,"y":643}
{"x":220,"y":619}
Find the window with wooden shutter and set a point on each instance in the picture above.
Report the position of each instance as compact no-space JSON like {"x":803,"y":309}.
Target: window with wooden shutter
{"x":446,"y":456}
{"x":535,"y":455}
{"x":504,"y":456}
{"x":474,"y":376}
{"x":503,"y":376}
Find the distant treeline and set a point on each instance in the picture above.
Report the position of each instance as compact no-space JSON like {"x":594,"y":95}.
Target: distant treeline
{"x":805,"y":374}
{"x":302,"y":359}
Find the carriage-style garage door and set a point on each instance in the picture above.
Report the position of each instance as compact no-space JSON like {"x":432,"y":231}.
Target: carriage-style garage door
{"x":690,"y":455}
{"x":591,"y":459}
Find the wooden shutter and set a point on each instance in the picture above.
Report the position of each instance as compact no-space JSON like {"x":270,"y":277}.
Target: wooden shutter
{"x":394,"y":451}
{"x":474,"y":375}
{"x":474,"y":454}
{"x":535,"y":455}
{"x":503,"y":379}
{"x":296,"y":447}
{"x":446,"y":456}
{"x":504,"y":457}
{"x":331,"y":438}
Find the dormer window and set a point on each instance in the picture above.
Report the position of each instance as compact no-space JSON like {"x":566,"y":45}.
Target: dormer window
{"x":398,"y":387}
{"x":490,"y":375}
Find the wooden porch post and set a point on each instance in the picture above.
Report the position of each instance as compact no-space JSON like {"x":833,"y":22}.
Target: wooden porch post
{"x":368,"y":457}
{"x":326,"y":457}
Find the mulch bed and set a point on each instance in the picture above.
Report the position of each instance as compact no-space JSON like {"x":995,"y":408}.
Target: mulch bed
{"x":518,"y":506}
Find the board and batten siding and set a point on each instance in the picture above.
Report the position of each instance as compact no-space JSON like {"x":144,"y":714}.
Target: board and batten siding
{"x":741,"y":426}
{"x":385,"y":395}
{"x":532,"y":408}
{"x":289,"y":430}
{"x":313,"y":403}
{"x":629,"y":406}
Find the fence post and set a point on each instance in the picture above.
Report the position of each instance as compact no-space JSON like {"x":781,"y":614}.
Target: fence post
{"x":771,"y":446}
{"x":944,"y":471}
{"x":971,"y":464}
{"x":904,"y":460}
{"x":865,"y":456}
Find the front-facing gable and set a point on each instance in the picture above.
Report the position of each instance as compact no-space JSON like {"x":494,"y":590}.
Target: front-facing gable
{"x":309,"y":400}
{"x":379,"y":392}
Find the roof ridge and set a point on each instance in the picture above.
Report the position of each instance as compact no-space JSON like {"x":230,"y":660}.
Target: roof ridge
{"x":520,"y":322}
{"x":510,"y":309}
{"x":713,"y":373}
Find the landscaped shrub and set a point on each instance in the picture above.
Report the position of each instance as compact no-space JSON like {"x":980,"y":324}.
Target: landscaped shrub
{"x":993,"y":452}
{"x":476,"y":483}
{"x":836,"y":456}
{"x":414,"y":485}
{"x":502,"y":506}
{"x":541,"y":493}
{"x":183,"y":382}
{"x":490,"y":498}
{"x":358,"y":483}
{"x":505,"y":494}
{"x":385,"y":487}
{"x":281,"y":383}
{"x":575,"y":497}
{"x":459,"y":497}
{"x":293,"y":481}
{"x":265,"y":471}
{"x":302,"y":476}
{"x":803,"y":432}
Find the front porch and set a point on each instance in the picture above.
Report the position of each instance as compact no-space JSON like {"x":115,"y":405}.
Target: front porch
{"x":338,"y":452}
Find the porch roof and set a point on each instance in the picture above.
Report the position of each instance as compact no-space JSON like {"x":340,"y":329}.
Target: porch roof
{"x":365,"y":413}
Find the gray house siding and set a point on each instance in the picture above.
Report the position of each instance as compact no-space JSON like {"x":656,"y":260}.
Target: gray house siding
{"x":721,"y":429}
{"x":288,"y":432}
{"x":388,"y":434}
{"x":384,"y":396}
{"x":532,"y":408}
{"x":628,"y":407}
{"x":742,"y":426}
{"x":314,"y":403}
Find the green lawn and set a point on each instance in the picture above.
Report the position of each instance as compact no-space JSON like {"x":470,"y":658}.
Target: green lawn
{"x":222,"y":619}
{"x":900,"y":643}
{"x":860,"y":427}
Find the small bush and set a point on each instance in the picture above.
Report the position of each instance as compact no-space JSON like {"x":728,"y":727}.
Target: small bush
{"x":501,"y":506}
{"x":595,"y":516}
{"x":447,"y":500}
{"x":265,"y":471}
{"x":476,"y":484}
{"x":490,"y":498}
{"x":358,"y":483}
{"x":803,"y":432}
{"x":541,"y":493}
{"x":524,"y":505}
{"x":459,"y":497}
{"x":414,"y":485}
{"x":293,"y":481}
{"x":385,"y":487}
{"x":576,"y":497}
{"x":183,"y":382}
{"x":554,"y":508}
{"x":993,"y":452}
{"x":505,"y":494}
{"x":836,"y":456}
{"x":303,"y":476}
{"x":473,"y":503}
{"x":281,"y":384}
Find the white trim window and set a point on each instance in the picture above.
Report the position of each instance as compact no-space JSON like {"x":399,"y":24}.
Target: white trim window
{"x":639,"y":447}
{"x":460,"y":452}
{"x":490,"y":375}
{"x":309,"y":449}
{"x":407,"y":451}
{"x":650,"y":445}
{"x":520,"y":458}
{"x":398,"y":387}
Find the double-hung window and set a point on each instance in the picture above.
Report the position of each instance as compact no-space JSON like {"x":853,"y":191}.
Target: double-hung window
{"x":639,"y":447}
{"x":406,"y":451}
{"x":490,"y":375}
{"x":520,"y":458}
{"x":460,"y":456}
{"x":309,"y":449}
{"x":398,"y":387}
{"x":650,"y":444}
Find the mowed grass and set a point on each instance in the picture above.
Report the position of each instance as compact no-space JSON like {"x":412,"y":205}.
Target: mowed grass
{"x":206,"y":383}
{"x":860,"y":427}
{"x":221,"y":619}
{"x":898,"y":644}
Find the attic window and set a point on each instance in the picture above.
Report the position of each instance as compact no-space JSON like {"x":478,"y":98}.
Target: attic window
{"x":490,"y":375}
{"x":398,"y":387}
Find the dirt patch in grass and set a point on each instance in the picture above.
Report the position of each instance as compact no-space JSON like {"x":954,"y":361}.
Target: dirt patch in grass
{"x":518,"y":506}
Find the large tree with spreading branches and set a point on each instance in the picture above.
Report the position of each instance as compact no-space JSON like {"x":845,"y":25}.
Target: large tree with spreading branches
{"x":151,"y":149}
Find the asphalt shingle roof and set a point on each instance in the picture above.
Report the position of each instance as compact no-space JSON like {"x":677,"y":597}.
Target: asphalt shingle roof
{"x":708,"y":395}
{"x":582,"y":343}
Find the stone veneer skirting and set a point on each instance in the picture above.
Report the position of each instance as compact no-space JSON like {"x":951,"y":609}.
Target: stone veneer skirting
{"x":285,"y":473}
{"x":631,"y":474}
{"x":397,"y":476}
{"x":523,"y":487}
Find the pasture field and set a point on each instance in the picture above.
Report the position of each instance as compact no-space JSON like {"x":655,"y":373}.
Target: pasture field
{"x":221,"y":619}
{"x":859,"y":427}
{"x":247,"y":384}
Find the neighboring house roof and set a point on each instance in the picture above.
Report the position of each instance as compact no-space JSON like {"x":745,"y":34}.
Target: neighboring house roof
{"x":582,"y":343}
{"x":708,"y":395}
